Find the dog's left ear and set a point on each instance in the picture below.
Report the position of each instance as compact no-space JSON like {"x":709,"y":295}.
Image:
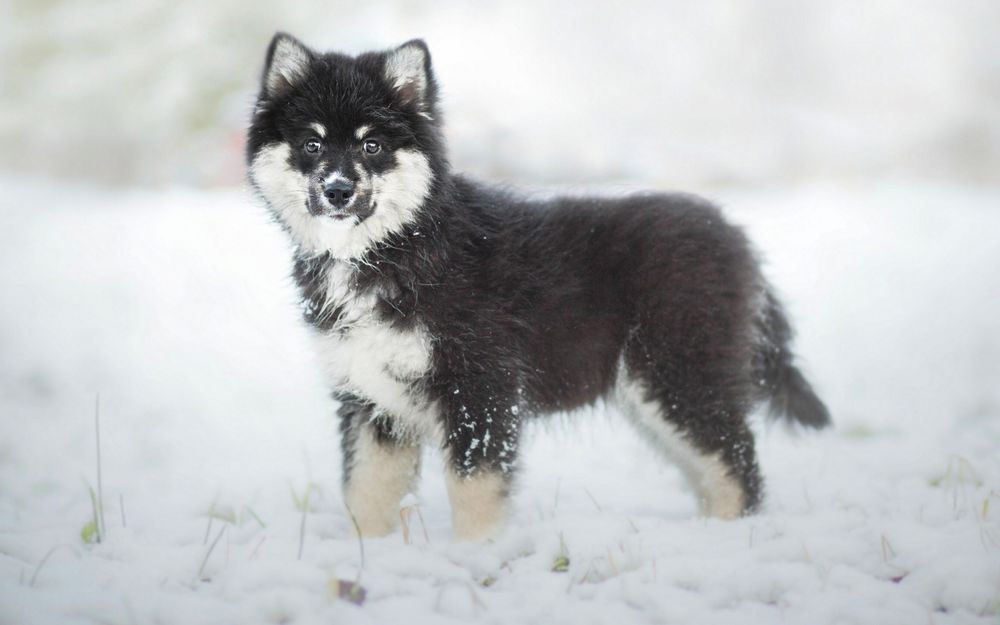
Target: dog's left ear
{"x":408,"y":70}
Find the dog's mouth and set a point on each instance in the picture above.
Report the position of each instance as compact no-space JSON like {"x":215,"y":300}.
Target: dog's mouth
{"x":357,"y":214}
{"x":322,"y":210}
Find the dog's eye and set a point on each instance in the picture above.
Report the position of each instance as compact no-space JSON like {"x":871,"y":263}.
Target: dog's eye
{"x":312,"y":146}
{"x":372,"y":146}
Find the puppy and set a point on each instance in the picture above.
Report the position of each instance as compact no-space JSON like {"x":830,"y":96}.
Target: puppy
{"x":448,"y":311}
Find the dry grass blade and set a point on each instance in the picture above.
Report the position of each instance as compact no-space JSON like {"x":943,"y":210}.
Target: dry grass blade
{"x":404,"y":523}
{"x":596,"y":505}
{"x":361,"y":542}
{"x":41,"y":563}
{"x":405,"y":514}
{"x":101,"y":527}
{"x":302,"y":525}
{"x":208,"y":554}
{"x":561,"y":562}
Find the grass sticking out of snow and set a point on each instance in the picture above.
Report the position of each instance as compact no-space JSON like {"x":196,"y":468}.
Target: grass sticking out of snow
{"x":178,"y":307}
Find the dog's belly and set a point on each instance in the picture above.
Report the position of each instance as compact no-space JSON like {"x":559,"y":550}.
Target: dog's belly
{"x":381,"y":364}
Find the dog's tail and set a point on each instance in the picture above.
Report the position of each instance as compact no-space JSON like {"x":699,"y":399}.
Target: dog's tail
{"x":787,"y":392}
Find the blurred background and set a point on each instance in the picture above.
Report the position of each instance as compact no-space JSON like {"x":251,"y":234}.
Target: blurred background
{"x":665,"y":93}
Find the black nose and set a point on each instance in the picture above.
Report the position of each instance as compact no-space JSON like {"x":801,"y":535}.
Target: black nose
{"x":339,"y":192}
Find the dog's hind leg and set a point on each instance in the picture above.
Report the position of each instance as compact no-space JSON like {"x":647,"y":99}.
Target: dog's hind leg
{"x":715,"y":453}
{"x":379,"y":467}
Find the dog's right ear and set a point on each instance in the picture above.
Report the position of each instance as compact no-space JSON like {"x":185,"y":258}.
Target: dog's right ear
{"x":288,"y":61}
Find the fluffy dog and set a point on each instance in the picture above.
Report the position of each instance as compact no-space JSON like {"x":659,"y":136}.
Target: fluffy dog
{"x":447,"y":311}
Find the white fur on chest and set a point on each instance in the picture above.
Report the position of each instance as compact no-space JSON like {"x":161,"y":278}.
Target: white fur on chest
{"x":370,"y":358}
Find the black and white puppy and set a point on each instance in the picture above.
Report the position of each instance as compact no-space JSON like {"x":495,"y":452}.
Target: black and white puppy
{"x":448,"y":311}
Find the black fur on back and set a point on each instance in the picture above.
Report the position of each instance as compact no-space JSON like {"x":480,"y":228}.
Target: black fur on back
{"x":536,"y":305}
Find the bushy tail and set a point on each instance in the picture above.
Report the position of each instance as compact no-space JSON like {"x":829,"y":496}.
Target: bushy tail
{"x":786,"y":390}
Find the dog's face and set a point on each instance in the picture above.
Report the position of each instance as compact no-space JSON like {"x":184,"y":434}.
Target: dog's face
{"x":344,"y":150}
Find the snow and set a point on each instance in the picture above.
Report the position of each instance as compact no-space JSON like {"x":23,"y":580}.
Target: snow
{"x":216,"y":427}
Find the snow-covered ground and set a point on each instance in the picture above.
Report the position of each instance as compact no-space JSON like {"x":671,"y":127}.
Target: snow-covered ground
{"x":218,"y":444}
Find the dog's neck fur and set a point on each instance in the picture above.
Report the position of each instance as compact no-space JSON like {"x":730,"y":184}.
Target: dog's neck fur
{"x":389,"y":275}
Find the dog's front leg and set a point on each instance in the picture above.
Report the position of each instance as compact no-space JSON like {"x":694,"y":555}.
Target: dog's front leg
{"x":481,"y":433}
{"x":379,"y":467}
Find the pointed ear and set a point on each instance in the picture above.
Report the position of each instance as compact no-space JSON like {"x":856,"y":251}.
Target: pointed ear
{"x":288,"y":60}
{"x":408,"y":71}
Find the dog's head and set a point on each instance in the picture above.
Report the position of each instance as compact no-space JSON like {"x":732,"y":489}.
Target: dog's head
{"x":345,"y":150}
